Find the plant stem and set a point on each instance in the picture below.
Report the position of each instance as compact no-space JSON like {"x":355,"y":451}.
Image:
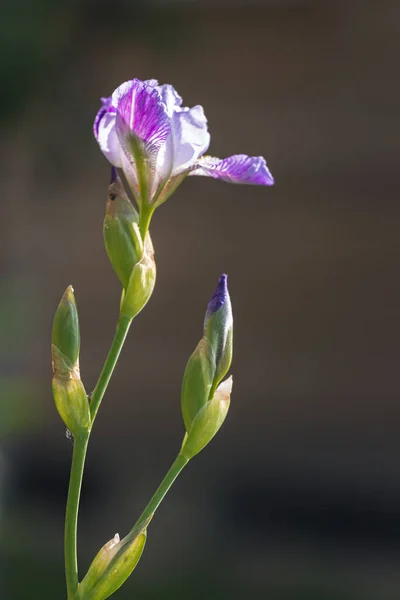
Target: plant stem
{"x":111,"y":360}
{"x":146,"y":212}
{"x":71,"y":514}
{"x":163,"y":488}
{"x":78,"y":460}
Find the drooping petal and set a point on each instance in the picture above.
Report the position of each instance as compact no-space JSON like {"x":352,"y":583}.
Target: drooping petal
{"x":105,"y":133}
{"x":238,"y":168}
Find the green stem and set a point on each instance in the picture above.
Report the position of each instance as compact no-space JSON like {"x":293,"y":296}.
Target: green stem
{"x":71,"y":514}
{"x":105,"y":375}
{"x":163,"y":488}
{"x":146,"y":212}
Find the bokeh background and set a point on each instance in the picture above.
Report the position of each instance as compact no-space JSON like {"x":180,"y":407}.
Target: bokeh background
{"x":298,"y":497}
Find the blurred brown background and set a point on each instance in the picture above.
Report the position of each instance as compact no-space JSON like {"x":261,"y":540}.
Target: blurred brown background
{"x":299,"y":495}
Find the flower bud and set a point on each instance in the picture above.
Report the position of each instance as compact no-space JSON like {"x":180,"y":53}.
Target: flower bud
{"x":141,"y":282}
{"x":68,"y":390}
{"x":121,"y":231}
{"x":65,"y":335}
{"x":113,"y":564}
{"x":70,"y":398}
{"x":218,"y":329}
{"x":197,"y":381}
{"x":207,"y":421}
{"x":212,"y":357}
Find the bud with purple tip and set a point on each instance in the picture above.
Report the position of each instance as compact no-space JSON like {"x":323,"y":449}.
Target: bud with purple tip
{"x":218,"y":329}
{"x":204,"y":400}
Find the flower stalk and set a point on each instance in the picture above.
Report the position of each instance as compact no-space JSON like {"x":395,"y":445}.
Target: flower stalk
{"x":121,"y":332}
{"x":71,"y":513}
{"x":144,"y":130}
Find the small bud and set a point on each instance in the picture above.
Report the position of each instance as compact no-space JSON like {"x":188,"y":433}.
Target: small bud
{"x":121,"y":231}
{"x":218,"y":329}
{"x":141,"y":282}
{"x":113,"y":564}
{"x":207,"y":421}
{"x":65,"y":335}
{"x":212,"y":358}
{"x":68,"y":390}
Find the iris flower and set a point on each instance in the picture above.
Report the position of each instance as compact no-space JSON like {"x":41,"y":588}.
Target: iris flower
{"x":144,"y":130}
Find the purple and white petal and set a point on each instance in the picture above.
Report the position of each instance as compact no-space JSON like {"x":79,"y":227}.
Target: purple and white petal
{"x":170,"y":97}
{"x":239,"y":168}
{"x":141,"y":113}
{"x":190,"y":137}
{"x":105,"y":133}
{"x":151,"y":82}
{"x":164,"y":165}
{"x":143,"y":129}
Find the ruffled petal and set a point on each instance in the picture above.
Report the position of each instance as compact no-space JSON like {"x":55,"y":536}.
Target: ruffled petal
{"x":238,"y":168}
{"x":170,"y":97}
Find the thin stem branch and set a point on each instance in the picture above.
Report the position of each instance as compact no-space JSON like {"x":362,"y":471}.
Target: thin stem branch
{"x":105,"y":375}
{"x":71,"y":514}
{"x":163,"y":488}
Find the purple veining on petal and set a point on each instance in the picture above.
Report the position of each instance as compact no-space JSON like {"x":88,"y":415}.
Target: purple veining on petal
{"x":141,"y":112}
{"x":106,"y":107}
{"x":219,"y":297}
{"x":238,"y":168}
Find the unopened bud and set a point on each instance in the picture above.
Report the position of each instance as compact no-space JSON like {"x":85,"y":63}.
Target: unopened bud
{"x":65,"y":335}
{"x":197,"y":381}
{"x":70,"y":398}
{"x":212,"y":358}
{"x":218,"y":329}
{"x":68,"y":390}
{"x":208,"y":421}
{"x":113,"y":564}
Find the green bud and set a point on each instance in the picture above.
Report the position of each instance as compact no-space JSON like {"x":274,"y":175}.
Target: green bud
{"x":218,"y":329}
{"x":197,"y":381}
{"x":113,"y":564}
{"x":141,"y":282}
{"x":66,"y":336}
{"x":207,"y":421}
{"x":121,"y":231}
{"x":69,"y":395}
{"x":68,"y":390}
{"x":212,"y":358}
